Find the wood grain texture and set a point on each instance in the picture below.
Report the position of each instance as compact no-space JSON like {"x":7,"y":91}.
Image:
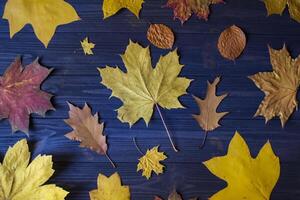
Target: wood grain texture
{"x":76,"y":79}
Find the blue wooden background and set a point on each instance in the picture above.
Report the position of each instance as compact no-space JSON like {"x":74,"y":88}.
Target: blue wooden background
{"x":76,"y":79}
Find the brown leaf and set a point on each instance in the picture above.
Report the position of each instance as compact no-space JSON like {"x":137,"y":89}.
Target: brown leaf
{"x":209,"y":118}
{"x":161,"y":36}
{"x":280,"y":86}
{"x":173,"y":196}
{"x":232,"y":42}
{"x":86,"y":129}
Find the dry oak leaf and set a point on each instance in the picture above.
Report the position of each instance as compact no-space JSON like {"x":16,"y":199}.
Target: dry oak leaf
{"x":21,"y":180}
{"x":87,"y":46}
{"x":173,"y":196}
{"x":87,"y":130}
{"x":232,"y":42}
{"x":246,"y":177}
{"x":44,"y":16}
{"x":161,"y":36}
{"x":278,"y":6}
{"x":142,"y":87}
{"x":209,"y":117}
{"x":110,"y":188}
{"x":151,"y":162}
{"x":280,"y":86}
{"x":111,"y":7}
{"x":183,"y":9}
{"x":20,"y":94}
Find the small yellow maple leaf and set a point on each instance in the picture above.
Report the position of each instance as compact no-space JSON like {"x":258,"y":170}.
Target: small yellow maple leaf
{"x":44,"y":16}
{"x":278,"y":6}
{"x":21,"y":180}
{"x":247,"y":178}
{"x":111,"y":7}
{"x":151,"y":162}
{"x":110,"y":188}
{"x":87,"y":46}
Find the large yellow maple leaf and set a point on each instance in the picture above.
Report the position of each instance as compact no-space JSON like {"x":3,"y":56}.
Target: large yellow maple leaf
{"x":43,"y":15}
{"x":111,"y":7}
{"x":142,"y":87}
{"x":247,"y":178}
{"x":151,"y":162}
{"x":21,"y":180}
{"x":278,"y":6}
{"x":280,"y":86}
{"x":110,"y":188}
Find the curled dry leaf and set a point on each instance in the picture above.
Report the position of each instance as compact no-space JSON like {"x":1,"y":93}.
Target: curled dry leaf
{"x":246,"y":177}
{"x":232,"y":42}
{"x":280,"y":86}
{"x":161,"y":36}
{"x":151,"y":162}
{"x":87,"y":130}
{"x":110,"y":188}
{"x":20,"y":94}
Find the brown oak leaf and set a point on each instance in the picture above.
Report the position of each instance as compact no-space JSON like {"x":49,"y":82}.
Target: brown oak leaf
{"x":232,"y":42}
{"x":20,"y":94}
{"x":173,"y":196}
{"x":280,"y":86}
{"x":161,"y":36}
{"x":209,"y":117}
{"x":87,"y":130}
{"x":183,"y":9}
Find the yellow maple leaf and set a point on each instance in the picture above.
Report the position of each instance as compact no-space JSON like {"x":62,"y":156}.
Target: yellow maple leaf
{"x":44,"y":16}
{"x":151,"y":162}
{"x":278,"y":6}
{"x":247,"y":178}
{"x":111,"y":7}
{"x":21,"y":180}
{"x":110,"y":188}
{"x":142,"y":87}
{"x":87,"y":46}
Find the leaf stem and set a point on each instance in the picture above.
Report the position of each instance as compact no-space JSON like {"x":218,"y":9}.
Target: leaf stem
{"x":110,"y":160}
{"x":204,"y":140}
{"x":167,"y":130}
{"x":137,"y":147}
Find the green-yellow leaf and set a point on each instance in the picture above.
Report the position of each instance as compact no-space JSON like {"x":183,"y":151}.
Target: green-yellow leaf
{"x":111,"y":7}
{"x":142,"y":87}
{"x":151,"y":162}
{"x":43,"y":15}
{"x":110,"y":188}
{"x":278,"y":6}
{"x":247,"y":178}
{"x":21,"y":180}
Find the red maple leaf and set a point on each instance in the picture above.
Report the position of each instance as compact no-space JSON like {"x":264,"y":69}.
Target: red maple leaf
{"x":20,"y":94}
{"x":183,"y":9}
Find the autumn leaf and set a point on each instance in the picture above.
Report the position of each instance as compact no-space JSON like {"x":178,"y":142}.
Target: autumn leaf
{"x":142,"y":87}
{"x":246,"y":177}
{"x":183,"y":9}
{"x":173,"y":196}
{"x":232,"y":42}
{"x":87,"y":130}
{"x":111,"y":7}
{"x":44,"y":16}
{"x":110,"y":188}
{"x":209,"y":117}
{"x":20,"y":94}
{"x":150,"y":162}
{"x":280,"y":86}
{"x":21,"y":180}
{"x":278,"y":6}
{"x":87,"y":46}
{"x":161,"y":36}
